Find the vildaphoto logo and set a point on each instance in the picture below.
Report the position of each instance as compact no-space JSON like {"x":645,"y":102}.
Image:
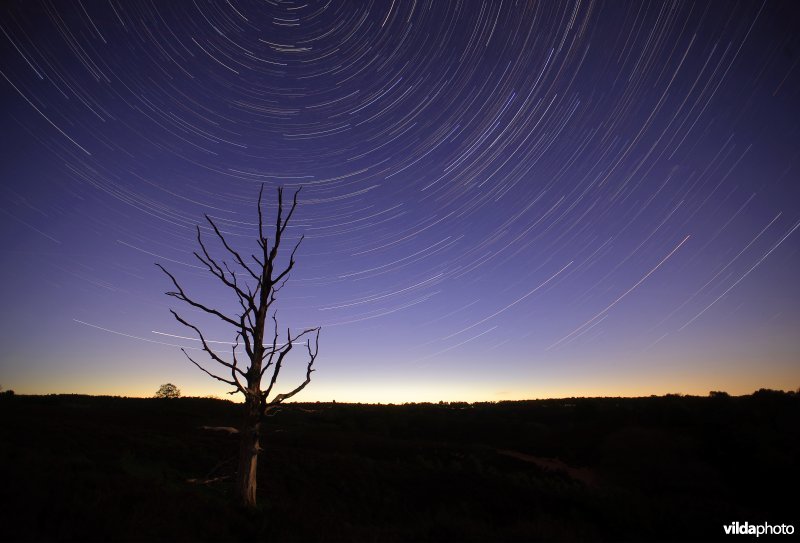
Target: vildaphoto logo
{"x":745,"y":528}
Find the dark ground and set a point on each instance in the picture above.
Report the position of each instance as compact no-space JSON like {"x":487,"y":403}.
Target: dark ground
{"x":83,"y":468}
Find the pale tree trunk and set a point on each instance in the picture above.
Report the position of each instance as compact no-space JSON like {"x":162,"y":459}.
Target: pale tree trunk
{"x":248,"y":455}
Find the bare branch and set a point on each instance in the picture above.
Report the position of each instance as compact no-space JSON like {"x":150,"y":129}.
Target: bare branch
{"x":216,"y":270}
{"x":277,"y":289}
{"x":260,"y":221}
{"x":274,"y":349}
{"x":291,"y":261}
{"x":206,"y":348}
{"x":236,"y":255}
{"x":227,"y":429}
{"x":248,"y":347}
{"x":217,"y":377}
{"x":282,"y":354}
{"x":279,"y":228}
{"x":291,"y":211}
{"x":235,"y":367}
{"x":208,"y":481}
{"x":181,"y":295}
{"x":309,"y":369}
{"x":205,"y":252}
{"x":232,"y":283}
{"x":278,"y":363}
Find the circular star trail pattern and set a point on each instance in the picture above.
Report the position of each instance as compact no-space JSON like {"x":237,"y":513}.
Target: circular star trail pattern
{"x":500,"y":199}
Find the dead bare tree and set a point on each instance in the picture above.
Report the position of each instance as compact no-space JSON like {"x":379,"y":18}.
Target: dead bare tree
{"x":255,"y":285}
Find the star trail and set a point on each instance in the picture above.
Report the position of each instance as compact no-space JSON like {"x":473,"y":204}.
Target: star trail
{"x":500,"y":200}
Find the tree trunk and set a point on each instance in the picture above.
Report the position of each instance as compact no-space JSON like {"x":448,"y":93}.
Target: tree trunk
{"x":248,"y":455}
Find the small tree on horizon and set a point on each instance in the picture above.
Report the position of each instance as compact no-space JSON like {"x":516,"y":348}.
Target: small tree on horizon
{"x":168,"y":390}
{"x":255,"y":283}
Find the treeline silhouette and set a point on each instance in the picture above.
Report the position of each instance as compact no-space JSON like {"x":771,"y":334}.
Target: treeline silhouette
{"x":658,"y":468}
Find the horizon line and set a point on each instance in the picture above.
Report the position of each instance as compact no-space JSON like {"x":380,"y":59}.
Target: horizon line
{"x":710,"y":394}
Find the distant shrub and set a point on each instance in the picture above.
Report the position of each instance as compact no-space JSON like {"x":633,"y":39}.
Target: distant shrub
{"x":718,"y":394}
{"x":168,"y":390}
{"x":768,"y":393}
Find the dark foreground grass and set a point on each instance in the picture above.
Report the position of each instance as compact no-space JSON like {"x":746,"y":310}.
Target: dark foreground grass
{"x":79,"y":468}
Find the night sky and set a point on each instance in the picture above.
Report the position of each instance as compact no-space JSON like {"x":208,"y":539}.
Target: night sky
{"x":501,"y":200}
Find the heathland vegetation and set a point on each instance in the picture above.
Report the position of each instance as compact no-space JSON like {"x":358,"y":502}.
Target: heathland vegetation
{"x":658,"y":468}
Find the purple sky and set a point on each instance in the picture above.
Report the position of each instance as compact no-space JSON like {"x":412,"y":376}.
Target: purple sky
{"x":500,"y":200}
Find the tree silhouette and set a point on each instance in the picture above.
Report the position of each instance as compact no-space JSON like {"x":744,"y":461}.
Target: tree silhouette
{"x":255,"y":285}
{"x":168,"y":390}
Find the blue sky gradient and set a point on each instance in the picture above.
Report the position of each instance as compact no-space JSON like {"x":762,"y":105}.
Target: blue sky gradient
{"x":501,"y":200}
